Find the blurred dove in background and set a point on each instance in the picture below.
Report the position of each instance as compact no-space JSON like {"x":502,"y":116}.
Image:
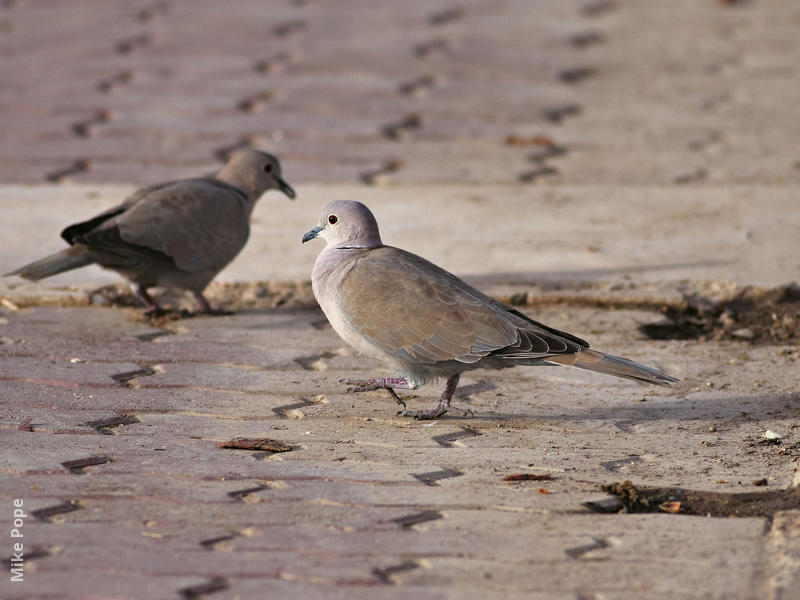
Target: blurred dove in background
{"x":426,"y":323}
{"x":177,"y":234}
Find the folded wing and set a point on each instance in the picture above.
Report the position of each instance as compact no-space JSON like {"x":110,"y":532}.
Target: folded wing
{"x":418,"y":312}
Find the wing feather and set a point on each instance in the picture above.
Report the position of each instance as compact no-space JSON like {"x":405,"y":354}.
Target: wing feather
{"x":199,"y":223}
{"x":193,"y":224}
{"x":417,"y":312}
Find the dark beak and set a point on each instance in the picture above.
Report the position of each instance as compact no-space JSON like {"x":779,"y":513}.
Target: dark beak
{"x":312,"y":234}
{"x":285,"y":188}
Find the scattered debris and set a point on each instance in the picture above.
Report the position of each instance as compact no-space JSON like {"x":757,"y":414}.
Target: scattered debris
{"x":606,"y":505}
{"x":670,"y":507}
{"x":535,"y":140}
{"x":527,"y":477}
{"x":79,"y":465}
{"x":745,"y":333}
{"x":698,"y":502}
{"x":628,"y":494}
{"x":749,"y":313}
{"x":108,"y":426}
{"x":264,"y":444}
{"x":236,"y":296}
{"x":8,"y":304}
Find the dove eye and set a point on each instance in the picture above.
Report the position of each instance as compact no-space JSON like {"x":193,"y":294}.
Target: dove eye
{"x":333,"y":219}
{"x":268,"y":168}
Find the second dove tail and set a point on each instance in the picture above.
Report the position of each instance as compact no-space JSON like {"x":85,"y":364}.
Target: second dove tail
{"x":68,"y":259}
{"x":592,"y":360}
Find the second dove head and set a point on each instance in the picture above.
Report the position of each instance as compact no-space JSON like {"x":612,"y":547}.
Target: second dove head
{"x":256,"y":171}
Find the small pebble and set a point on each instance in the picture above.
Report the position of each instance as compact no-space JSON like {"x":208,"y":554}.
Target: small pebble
{"x":745,"y":333}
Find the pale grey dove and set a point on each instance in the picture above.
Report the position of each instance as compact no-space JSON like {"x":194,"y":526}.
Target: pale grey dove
{"x":175,"y":234}
{"x":426,"y":323}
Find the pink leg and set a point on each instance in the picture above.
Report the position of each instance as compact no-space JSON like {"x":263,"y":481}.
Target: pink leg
{"x":150,"y":304}
{"x":443,"y":406}
{"x":204,"y":307}
{"x":368,"y":385}
{"x":386,"y":383}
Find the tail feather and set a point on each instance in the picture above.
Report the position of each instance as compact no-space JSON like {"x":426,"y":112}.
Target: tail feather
{"x":592,"y":360}
{"x":71,"y":258}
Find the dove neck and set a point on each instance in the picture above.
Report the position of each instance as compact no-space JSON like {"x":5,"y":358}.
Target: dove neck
{"x":355,"y":244}
{"x":355,"y":238}
{"x":248,"y":185}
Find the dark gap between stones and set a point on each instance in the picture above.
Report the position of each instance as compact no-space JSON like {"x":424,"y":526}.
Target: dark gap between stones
{"x":752,"y":314}
{"x":632,"y":499}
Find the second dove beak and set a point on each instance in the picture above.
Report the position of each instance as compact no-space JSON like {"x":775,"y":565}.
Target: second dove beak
{"x":285,"y":188}
{"x":310,"y":235}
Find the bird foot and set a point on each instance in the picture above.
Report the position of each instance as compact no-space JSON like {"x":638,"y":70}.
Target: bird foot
{"x":369,"y":385}
{"x":204,"y":308}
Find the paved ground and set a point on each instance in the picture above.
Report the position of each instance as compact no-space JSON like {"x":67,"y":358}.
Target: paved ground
{"x":433,"y":91}
{"x":367,"y":504}
{"x":598,"y":163}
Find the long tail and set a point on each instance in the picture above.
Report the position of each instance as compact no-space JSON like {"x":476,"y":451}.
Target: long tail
{"x":592,"y":360}
{"x":71,"y":258}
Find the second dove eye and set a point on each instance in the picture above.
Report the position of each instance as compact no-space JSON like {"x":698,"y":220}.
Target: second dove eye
{"x":268,"y":168}
{"x":333,"y":219}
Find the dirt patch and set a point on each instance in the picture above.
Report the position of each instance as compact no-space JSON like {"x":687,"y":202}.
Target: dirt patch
{"x":257,"y":295}
{"x":265,"y":444}
{"x":702,"y":310}
{"x":752,"y":314}
{"x":693,"y":502}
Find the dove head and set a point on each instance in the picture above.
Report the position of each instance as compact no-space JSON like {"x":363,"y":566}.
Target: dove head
{"x":254,"y":173}
{"x":346,"y":224}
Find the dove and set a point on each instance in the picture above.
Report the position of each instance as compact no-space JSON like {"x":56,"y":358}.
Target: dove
{"x":176,"y":234}
{"x":424,"y":322}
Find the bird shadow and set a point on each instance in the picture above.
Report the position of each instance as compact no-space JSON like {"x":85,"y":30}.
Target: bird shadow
{"x":464,"y":393}
{"x":724,"y":409}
